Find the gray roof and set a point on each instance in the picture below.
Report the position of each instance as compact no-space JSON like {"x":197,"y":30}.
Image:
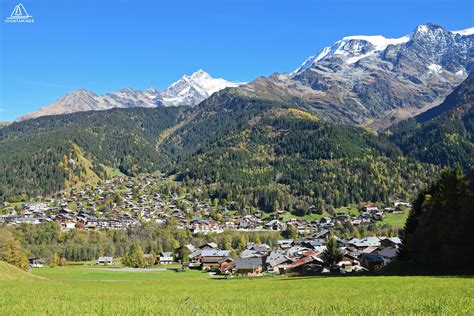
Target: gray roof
{"x":275,"y":258}
{"x":212,"y":260}
{"x":395,"y":240}
{"x":195,"y":253}
{"x":249,"y":253}
{"x":388,"y":252}
{"x":262,"y":247}
{"x":215,"y":253}
{"x":365,"y":242}
{"x":248,"y":263}
{"x":209,"y":245}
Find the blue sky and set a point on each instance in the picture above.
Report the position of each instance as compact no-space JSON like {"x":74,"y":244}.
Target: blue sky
{"x":104,"y":46}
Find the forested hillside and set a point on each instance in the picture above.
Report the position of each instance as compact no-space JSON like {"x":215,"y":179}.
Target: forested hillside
{"x":258,"y":153}
{"x":40,"y":156}
{"x":286,"y":158}
{"x":444,"y":134}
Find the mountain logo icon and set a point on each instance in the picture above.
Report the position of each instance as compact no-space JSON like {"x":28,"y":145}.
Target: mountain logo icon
{"x":19,"y":14}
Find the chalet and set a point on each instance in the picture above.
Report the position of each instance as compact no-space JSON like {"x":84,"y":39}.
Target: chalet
{"x":249,"y":222}
{"x":398,"y":203}
{"x":394,"y":242}
{"x":364,"y":242}
{"x":205,"y":226}
{"x":325,"y":220}
{"x":249,"y":266}
{"x":388,"y":254}
{"x":195,"y":257}
{"x":230,"y":225}
{"x":211,"y":258}
{"x":275,"y":225}
{"x":165,"y":258}
{"x":105,"y":261}
{"x":277,"y":262}
{"x":371,"y":262}
{"x":369,"y":208}
{"x":36,"y":262}
{"x":348,"y":259}
{"x":306,"y":265}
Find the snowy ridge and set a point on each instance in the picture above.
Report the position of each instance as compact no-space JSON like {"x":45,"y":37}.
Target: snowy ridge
{"x":357,"y":47}
{"x":354,"y":48}
{"x":465,"y":32}
{"x":189,"y":90}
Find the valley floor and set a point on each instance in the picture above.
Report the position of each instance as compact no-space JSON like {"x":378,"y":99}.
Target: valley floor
{"x":72,"y":291}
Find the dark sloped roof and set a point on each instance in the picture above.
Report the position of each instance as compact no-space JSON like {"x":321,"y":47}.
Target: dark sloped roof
{"x":248,"y":263}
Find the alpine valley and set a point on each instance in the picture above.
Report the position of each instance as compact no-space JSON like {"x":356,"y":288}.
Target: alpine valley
{"x":367,"y":119}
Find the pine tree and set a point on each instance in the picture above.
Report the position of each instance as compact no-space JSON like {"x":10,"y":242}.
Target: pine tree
{"x":332,"y":254}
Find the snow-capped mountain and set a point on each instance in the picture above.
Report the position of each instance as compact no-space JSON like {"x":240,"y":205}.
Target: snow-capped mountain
{"x":373,"y":80}
{"x":189,"y":90}
{"x":355,"y":48}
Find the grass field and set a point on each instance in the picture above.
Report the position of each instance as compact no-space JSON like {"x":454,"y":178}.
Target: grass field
{"x":70,"y":291}
{"x":397,"y":220}
{"x":113,"y":172}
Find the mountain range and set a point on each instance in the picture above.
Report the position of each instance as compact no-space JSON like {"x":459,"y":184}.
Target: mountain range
{"x":189,"y":90}
{"x":299,"y":139}
{"x":369,"y":81}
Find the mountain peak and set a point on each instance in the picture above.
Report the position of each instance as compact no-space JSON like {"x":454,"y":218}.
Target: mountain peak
{"x":423,"y":28}
{"x":194,"y":88}
{"x":80,"y":92}
{"x":200,"y":73}
{"x":432,"y":33}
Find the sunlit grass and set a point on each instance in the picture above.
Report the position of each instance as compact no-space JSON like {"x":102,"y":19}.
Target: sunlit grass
{"x":89,"y":291}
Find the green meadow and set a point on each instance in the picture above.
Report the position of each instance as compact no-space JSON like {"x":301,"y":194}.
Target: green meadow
{"x":72,"y":291}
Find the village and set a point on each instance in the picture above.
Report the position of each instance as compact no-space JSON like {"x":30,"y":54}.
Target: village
{"x":120,"y":203}
{"x":291,"y":256}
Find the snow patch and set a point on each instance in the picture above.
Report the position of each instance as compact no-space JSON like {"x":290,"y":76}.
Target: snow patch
{"x":465,"y":32}
{"x":461,"y":73}
{"x":355,"y":59}
{"x":380,"y":42}
{"x":436,"y":69}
